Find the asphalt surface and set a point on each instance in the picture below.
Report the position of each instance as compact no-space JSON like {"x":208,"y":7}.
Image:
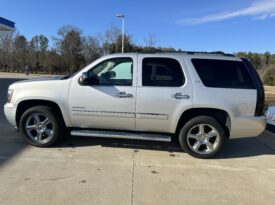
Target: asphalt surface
{"x":83,"y":170}
{"x":8,"y":135}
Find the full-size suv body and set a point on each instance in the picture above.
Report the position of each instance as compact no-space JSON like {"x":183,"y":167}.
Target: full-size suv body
{"x":200,"y":99}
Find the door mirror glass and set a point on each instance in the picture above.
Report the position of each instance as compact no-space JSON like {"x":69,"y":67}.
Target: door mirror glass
{"x":84,"y":79}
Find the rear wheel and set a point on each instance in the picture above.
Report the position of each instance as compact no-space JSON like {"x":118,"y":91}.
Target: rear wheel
{"x":202,"y":137}
{"x":40,"y":127}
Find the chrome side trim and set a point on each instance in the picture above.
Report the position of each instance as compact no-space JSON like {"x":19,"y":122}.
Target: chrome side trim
{"x":152,"y":116}
{"x":121,"y":135}
{"x":103,"y":113}
{"x":84,"y":112}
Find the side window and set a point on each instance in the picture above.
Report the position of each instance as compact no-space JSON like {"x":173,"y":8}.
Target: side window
{"x":115,"y":71}
{"x":223,"y":73}
{"x":162,"y":72}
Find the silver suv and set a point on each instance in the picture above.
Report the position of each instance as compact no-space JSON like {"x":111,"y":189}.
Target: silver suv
{"x":198,"y":99}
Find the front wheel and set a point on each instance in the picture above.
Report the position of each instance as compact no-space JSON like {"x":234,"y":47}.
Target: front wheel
{"x":40,"y":127}
{"x":202,"y":137}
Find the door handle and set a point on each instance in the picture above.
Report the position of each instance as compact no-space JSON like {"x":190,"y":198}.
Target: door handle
{"x":123,"y":94}
{"x":180,"y":96}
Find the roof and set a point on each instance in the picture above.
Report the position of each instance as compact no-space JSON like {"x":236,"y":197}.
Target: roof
{"x":6,"y":25}
{"x":219,"y":53}
{"x":178,"y":54}
{"x":191,"y":54}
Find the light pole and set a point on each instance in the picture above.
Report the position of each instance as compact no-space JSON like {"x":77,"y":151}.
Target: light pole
{"x":122,"y":16}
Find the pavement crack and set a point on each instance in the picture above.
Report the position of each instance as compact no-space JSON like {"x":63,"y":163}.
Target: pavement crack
{"x":133,"y":177}
{"x":58,"y":178}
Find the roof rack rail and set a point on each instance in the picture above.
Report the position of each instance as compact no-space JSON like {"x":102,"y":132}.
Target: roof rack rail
{"x":189,"y":52}
{"x":213,"y":52}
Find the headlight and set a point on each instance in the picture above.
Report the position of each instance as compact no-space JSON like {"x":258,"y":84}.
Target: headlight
{"x":10,"y":92}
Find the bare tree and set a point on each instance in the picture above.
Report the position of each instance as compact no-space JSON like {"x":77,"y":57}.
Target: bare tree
{"x":55,"y":63}
{"x":34,"y":53}
{"x":7,"y":49}
{"x":128,"y":44}
{"x":109,"y":37}
{"x":91,"y":49}
{"x":43,"y":44}
{"x":150,"y":40}
{"x":69,"y":43}
{"x":20,"y":51}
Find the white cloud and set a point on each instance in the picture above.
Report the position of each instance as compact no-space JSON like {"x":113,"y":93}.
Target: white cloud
{"x":261,"y":9}
{"x":262,"y":17}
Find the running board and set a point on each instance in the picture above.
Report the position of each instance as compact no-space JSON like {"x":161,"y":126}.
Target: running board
{"x":122,"y":135}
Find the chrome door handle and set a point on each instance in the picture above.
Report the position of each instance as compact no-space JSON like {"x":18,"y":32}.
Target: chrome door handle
{"x":180,"y":96}
{"x":124,"y":95}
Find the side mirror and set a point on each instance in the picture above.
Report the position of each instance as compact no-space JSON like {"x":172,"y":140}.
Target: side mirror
{"x":84,"y":79}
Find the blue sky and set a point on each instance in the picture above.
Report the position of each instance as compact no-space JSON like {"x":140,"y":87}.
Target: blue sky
{"x":201,"y":25}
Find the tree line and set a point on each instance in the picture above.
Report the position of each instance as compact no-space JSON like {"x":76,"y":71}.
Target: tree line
{"x":264,"y":64}
{"x":71,"y":50}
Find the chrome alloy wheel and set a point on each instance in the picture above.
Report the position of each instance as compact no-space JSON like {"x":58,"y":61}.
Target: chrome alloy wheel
{"x":39,"y":128}
{"x":203,"y":138}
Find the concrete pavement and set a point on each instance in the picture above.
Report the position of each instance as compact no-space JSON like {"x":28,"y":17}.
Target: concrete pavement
{"x":83,"y":170}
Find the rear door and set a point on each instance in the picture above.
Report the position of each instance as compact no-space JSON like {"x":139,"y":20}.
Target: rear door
{"x":164,"y":91}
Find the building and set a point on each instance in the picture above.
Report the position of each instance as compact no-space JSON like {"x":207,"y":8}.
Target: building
{"x":6,"y":25}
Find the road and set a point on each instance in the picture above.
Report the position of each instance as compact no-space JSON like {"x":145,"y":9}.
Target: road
{"x":83,"y":170}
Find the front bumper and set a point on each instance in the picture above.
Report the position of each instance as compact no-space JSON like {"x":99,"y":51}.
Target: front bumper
{"x":247,"y":126}
{"x":10,"y":113}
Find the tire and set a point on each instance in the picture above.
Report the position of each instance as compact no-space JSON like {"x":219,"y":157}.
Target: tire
{"x":202,"y":137}
{"x":40,"y":127}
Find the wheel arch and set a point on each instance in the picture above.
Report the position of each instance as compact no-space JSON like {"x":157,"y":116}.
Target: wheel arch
{"x":26,"y":104}
{"x":220,"y":115}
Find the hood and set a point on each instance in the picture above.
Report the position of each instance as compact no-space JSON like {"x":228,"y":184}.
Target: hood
{"x":40,"y":79}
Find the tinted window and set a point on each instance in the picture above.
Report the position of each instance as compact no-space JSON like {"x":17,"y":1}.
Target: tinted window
{"x":161,"y":72}
{"x":223,"y":73}
{"x":116,"y":71}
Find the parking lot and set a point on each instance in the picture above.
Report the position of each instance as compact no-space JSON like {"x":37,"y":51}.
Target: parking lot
{"x":82,"y":170}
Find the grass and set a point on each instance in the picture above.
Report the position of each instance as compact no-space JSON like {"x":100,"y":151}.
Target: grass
{"x":270,"y":95}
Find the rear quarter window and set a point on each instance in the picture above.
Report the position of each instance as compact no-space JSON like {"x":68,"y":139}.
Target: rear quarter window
{"x":223,"y":73}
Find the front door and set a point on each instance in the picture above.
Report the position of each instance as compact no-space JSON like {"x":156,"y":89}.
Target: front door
{"x":108,"y":102}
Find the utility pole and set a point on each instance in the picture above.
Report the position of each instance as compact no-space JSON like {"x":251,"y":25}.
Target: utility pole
{"x":122,"y":16}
